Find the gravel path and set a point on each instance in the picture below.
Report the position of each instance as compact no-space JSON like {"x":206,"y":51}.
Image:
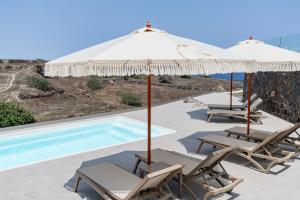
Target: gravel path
{"x":12,"y":79}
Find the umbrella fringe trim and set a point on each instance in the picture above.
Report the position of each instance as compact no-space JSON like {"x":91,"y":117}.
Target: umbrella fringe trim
{"x":156,"y":68}
{"x":164,"y":68}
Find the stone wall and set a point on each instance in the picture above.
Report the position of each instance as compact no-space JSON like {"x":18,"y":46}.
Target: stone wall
{"x":280,"y":93}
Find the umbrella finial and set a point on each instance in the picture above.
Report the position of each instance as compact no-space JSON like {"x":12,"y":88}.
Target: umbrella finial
{"x":250,"y":37}
{"x":148,"y":26}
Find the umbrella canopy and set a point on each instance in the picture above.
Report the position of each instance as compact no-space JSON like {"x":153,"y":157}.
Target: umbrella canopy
{"x":267,"y":57}
{"x":148,"y":51}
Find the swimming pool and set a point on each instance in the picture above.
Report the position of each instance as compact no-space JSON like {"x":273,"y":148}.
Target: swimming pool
{"x":34,"y":145}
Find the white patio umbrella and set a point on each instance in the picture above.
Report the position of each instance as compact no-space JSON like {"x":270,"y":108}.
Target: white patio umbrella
{"x":148,"y":51}
{"x":268,"y":59}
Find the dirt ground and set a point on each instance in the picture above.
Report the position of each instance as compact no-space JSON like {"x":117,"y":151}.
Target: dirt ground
{"x":78,"y":100}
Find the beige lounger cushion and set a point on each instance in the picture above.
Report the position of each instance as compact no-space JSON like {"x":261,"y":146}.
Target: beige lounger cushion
{"x":230,"y":142}
{"x":107,"y":175}
{"x":229,"y":112}
{"x":217,"y":106}
{"x":253,"y":132}
{"x":158,"y":155}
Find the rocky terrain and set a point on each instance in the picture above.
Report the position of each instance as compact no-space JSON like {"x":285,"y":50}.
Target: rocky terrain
{"x":71,"y":97}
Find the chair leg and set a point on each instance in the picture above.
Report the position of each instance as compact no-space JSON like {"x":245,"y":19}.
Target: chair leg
{"x":194,"y":196}
{"x":289,"y":155}
{"x":209,"y":118}
{"x":200,"y":146}
{"x":136,"y":165}
{"x":261,"y":168}
{"x":180,"y":183}
{"x":220,"y":182}
{"x":298,"y":134}
{"x":77,"y":184}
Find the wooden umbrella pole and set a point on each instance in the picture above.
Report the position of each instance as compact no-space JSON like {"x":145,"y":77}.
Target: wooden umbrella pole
{"x":149,"y":119}
{"x":231,"y":80}
{"x":249,"y":78}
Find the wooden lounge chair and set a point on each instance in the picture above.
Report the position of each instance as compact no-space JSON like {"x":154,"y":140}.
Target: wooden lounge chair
{"x":234,"y":107}
{"x":193,"y":168}
{"x":113,"y":182}
{"x":266,"y":149}
{"x":259,"y":135}
{"x":255,"y":116}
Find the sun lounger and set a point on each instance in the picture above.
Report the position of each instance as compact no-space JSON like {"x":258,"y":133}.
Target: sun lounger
{"x":194,"y":168}
{"x":233,"y":107}
{"x":113,"y":182}
{"x":266,"y":149}
{"x":255,"y":116}
{"x":259,"y":135}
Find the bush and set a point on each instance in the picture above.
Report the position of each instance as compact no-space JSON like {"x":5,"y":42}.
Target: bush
{"x":39,"y":69}
{"x":165,"y":79}
{"x":11,"y":114}
{"x":139,"y":76}
{"x":39,"y":83}
{"x":131,"y":99}
{"x":186,"y":76}
{"x":95,"y":83}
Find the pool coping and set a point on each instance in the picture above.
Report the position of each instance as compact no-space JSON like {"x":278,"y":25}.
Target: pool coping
{"x":104,"y":114}
{"x":66,"y":120}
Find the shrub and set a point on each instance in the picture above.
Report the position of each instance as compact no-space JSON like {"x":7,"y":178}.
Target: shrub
{"x":95,"y":83}
{"x":8,"y":67}
{"x":165,"y":79}
{"x":186,"y":76}
{"x":39,"y":69}
{"x":131,"y":99}
{"x":39,"y":83}
{"x":11,"y":114}
{"x":139,"y":76}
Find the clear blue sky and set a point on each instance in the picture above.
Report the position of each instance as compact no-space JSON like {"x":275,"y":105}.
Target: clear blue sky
{"x":53,"y":28}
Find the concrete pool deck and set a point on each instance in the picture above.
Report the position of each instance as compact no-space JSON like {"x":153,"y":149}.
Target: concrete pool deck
{"x":53,"y":179}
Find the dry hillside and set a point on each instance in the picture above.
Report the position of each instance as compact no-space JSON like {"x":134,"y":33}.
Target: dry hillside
{"x":71,"y":96}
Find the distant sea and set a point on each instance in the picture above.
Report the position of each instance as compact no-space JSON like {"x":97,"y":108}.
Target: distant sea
{"x":236,"y":76}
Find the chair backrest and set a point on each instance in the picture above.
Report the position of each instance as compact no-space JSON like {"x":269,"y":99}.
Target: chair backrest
{"x":155,"y":179}
{"x":285,"y":133}
{"x":212,"y":160}
{"x":252,"y":97}
{"x":255,"y":104}
{"x":268,"y":140}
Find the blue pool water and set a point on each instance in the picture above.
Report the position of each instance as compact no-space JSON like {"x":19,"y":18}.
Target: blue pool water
{"x":36,"y":145}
